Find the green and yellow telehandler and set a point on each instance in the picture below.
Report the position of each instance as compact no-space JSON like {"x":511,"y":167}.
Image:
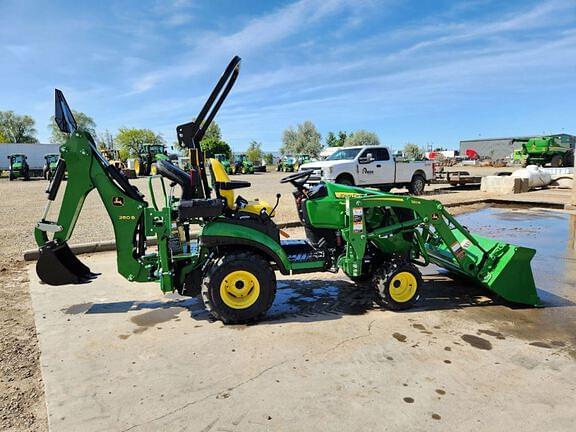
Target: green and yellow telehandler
{"x":369,"y":235}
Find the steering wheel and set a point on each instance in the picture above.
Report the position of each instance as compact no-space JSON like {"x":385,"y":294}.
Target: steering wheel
{"x":302,"y":176}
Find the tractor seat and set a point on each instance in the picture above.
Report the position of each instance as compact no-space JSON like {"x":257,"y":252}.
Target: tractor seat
{"x":224,"y":188}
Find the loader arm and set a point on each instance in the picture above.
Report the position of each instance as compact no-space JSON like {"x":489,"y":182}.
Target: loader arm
{"x":438,"y":238}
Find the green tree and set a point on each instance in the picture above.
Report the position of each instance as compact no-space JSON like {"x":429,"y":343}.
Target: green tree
{"x":17,"y":128}
{"x":130,"y":139}
{"x":2,"y":138}
{"x":341,"y":141}
{"x":84,"y":122}
{"x":412,"y":151}
{"x":269,"y":158}
{"x":305,"y":139}
{"x":336,"y":140}
{"x":331,"y":139}
{"x":362,"y":138}
{"x":254,"y":152}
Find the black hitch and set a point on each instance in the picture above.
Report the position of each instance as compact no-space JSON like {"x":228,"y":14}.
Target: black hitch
{"x":57,"y":265}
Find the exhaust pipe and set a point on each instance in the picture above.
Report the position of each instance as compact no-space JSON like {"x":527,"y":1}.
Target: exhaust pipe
{"x":57,"y":265}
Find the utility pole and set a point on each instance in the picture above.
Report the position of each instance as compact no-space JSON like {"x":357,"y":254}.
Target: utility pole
{"x":572,"y":206}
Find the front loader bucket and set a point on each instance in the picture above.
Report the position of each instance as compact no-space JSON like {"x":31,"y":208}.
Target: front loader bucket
{"x":501,"y":267}
{"x":57,"y":265}
{"x":511,"y":276}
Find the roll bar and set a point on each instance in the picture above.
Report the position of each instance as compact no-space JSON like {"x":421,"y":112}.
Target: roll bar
{"x":190,"y":134}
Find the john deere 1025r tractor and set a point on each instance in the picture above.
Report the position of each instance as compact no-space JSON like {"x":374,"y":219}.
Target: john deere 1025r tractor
{"x":369,"y":235}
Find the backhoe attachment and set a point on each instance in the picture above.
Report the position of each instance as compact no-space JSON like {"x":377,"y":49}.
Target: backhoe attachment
{"x":86,"y":170}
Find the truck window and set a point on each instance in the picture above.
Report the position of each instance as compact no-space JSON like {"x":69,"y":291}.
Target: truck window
{"x":378,"y":154}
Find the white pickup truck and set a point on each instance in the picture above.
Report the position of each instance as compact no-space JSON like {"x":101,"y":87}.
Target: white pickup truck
{"x":371,"y":166}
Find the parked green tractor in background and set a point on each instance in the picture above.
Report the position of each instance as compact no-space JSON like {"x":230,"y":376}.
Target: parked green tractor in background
{"x":546,"y":150}
{"x":301,"y":159}
{"x":242,"y":165}
{"x":286,"y":164}
{"x":369,"y":235}
{"x":225,"y":161}
{"x":51,"y":161}
{"x":148,"y":157}
{"x":18,"y":166}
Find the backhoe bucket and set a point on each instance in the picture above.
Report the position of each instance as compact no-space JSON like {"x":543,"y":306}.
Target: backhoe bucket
{"x":57,"y":265}
{"x":504,"y":269}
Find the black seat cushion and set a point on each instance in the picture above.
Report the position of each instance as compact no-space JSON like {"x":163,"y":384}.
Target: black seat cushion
{"x":200,"y":208}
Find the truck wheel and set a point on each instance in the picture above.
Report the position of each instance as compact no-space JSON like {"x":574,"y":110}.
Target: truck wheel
{"x":568,"y":159}
{"x":153,"y":170}
{"x":417,"y":185}
{"x":345,"y":179}
{"x":239,"y":287}
{"x":398,"y":285}
{"x":556,"y":161}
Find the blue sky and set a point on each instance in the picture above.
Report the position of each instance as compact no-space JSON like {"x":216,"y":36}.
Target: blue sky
{"x":412,"y":71}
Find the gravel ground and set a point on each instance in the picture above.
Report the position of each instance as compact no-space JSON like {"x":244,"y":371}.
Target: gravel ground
{"x":21,"y":390}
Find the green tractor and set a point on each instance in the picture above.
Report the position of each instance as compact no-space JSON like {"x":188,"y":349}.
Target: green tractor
{"x":50,"y":163}
{"x":225,"y":161}
{"x":546,"y":150}
{"x":18,"y":166}
{"x":287,"y":164}
{"x":242,"y":165}
{"x":231,"y":263}
{"x":300,"y":160}
{"x":148,"y":157}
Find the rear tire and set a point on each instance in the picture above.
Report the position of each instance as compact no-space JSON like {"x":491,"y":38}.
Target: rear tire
{"x":417,"y":185}
{"x":556,"y":161}
{"x":398,"y":284}
{"x":239,"y":287}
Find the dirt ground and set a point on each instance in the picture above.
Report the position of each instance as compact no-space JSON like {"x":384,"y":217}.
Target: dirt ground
{"x":21,"y":390}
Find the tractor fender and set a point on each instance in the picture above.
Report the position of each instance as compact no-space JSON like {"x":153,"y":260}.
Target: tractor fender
{"x":216,"y":234}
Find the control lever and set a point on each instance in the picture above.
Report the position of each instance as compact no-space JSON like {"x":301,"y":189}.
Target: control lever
{"x":276,"y":205}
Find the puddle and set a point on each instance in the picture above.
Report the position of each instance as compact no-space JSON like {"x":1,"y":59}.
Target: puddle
{"x":553,"y":267}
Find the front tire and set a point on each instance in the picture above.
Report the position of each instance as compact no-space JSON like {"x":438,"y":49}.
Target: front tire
{"x":239,"y":287}
{"x":398,"y":284}
{"x":417,"y":185}
{"x":345,"y":180}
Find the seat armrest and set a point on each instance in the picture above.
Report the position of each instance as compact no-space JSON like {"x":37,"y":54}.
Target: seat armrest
{"x":232,"y":184}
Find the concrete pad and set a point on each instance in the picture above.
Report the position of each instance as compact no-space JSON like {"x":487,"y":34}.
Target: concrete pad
{"x":119,"y":356}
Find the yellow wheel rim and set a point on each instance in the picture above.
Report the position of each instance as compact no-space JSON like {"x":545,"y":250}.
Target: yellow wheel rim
{"x":153,"y":170}
{"x":239,"y":289}
{"x":403,"y":287}
{"x":137,"y":167}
